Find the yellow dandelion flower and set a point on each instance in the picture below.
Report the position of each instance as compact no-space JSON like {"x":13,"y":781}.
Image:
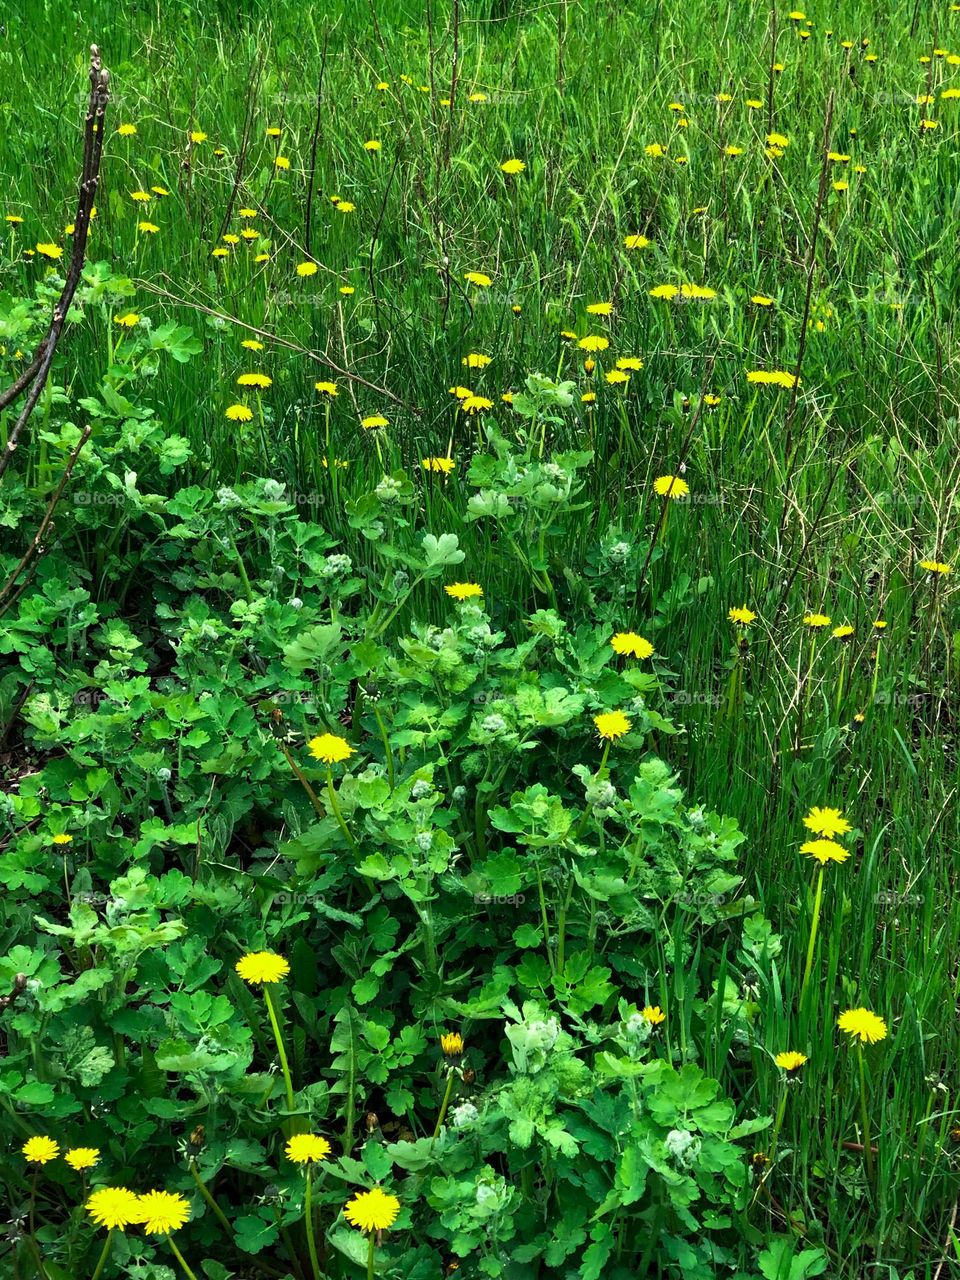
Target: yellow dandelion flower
{"x":115,"y":1208}
{"x":40,"y":1150}
{"x":81,"y":1158}
{"x":826,"y":822}
{"x":653,"y":1014}
{"x":741,"y":615}
{"x":372,"y":1210}
{"x":671,"y":487}
{"x":330,"y":749}
{"x":475,"y":404}
{"x":163,"y":1212}
{"x":790,"y":1061}
{"x":461,"y":591}
{"x":630,"y":645}
{"x":772,"y":378}
{"x":825,"y":851}
{"x":239,"y":413}
{"x":307,"y":1148}
{"x":513,"y":167}
{"x":935,"y":566}
{"x":262,"y":968}
{"x":863,"y":1025}
{"x":611,"y":725}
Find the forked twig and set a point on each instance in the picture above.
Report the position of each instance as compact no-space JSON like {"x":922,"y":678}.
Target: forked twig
{"x":36,"y":373}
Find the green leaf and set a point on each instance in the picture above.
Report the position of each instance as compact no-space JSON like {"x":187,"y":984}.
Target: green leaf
{"x":253,"y":1235}
{"x":440,"y":552}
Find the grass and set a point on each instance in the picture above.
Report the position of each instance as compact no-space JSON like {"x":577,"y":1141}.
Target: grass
{"x":823,"y":500}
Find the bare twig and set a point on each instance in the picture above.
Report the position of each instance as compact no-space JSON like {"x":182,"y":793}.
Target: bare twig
{"x":252,"y":93}
{"x":36,"y":547}
{"x":35,"y":376}
{"x":313,"y":145}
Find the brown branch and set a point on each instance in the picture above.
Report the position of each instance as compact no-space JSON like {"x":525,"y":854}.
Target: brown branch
{"x":788,"y":451}
{"x":18,"y":988}
{"x":36,"y":548}
{"x":275,"y":340}
{"x":89,"y":178}
{"x":252,"y":93}
{"x":311,"y":182}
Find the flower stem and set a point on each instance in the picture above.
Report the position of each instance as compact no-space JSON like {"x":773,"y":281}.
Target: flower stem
{"x":180,"y":1258}
{"x":867,"y":1146}
{"x":386,"y":745}
{"x":103,"y":1257}
{"x":308,"y":1222}
{"x":817,"y":901}
{"x":335,"y":806}
{"x":840,"y":684}
{"x":301,"y":778}
{"x":201,"y":1187}
{"x":443,"y":1106}
{"x":284,"y":1065}
{"x":777,"y":1126}
{"x":370,"y":1249}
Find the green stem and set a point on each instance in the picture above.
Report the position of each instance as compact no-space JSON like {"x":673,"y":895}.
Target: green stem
{"x":545,"y":920}
{"x":285,"y":1066}
{"x":308,"y":1219}
{"x":386,"y":745}
{"x":876,"y":674}
{"x":179,"y":1257}
{"x":218,"y":1212}
{"x":817,"y":901}
{"x":840,"y":684}
{"x":446,"y":1102}
{"x":777,"y":1125}
{"x":247,"y":588}
{"x":867,"y":1145}
{"x":370,"y":1249}
{"x":301,"y":778}
{"x":103,"y":1257}
{"x":335,"y":806}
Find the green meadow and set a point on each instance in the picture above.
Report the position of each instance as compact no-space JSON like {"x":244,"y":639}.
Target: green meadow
{"x":479,"y":640}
